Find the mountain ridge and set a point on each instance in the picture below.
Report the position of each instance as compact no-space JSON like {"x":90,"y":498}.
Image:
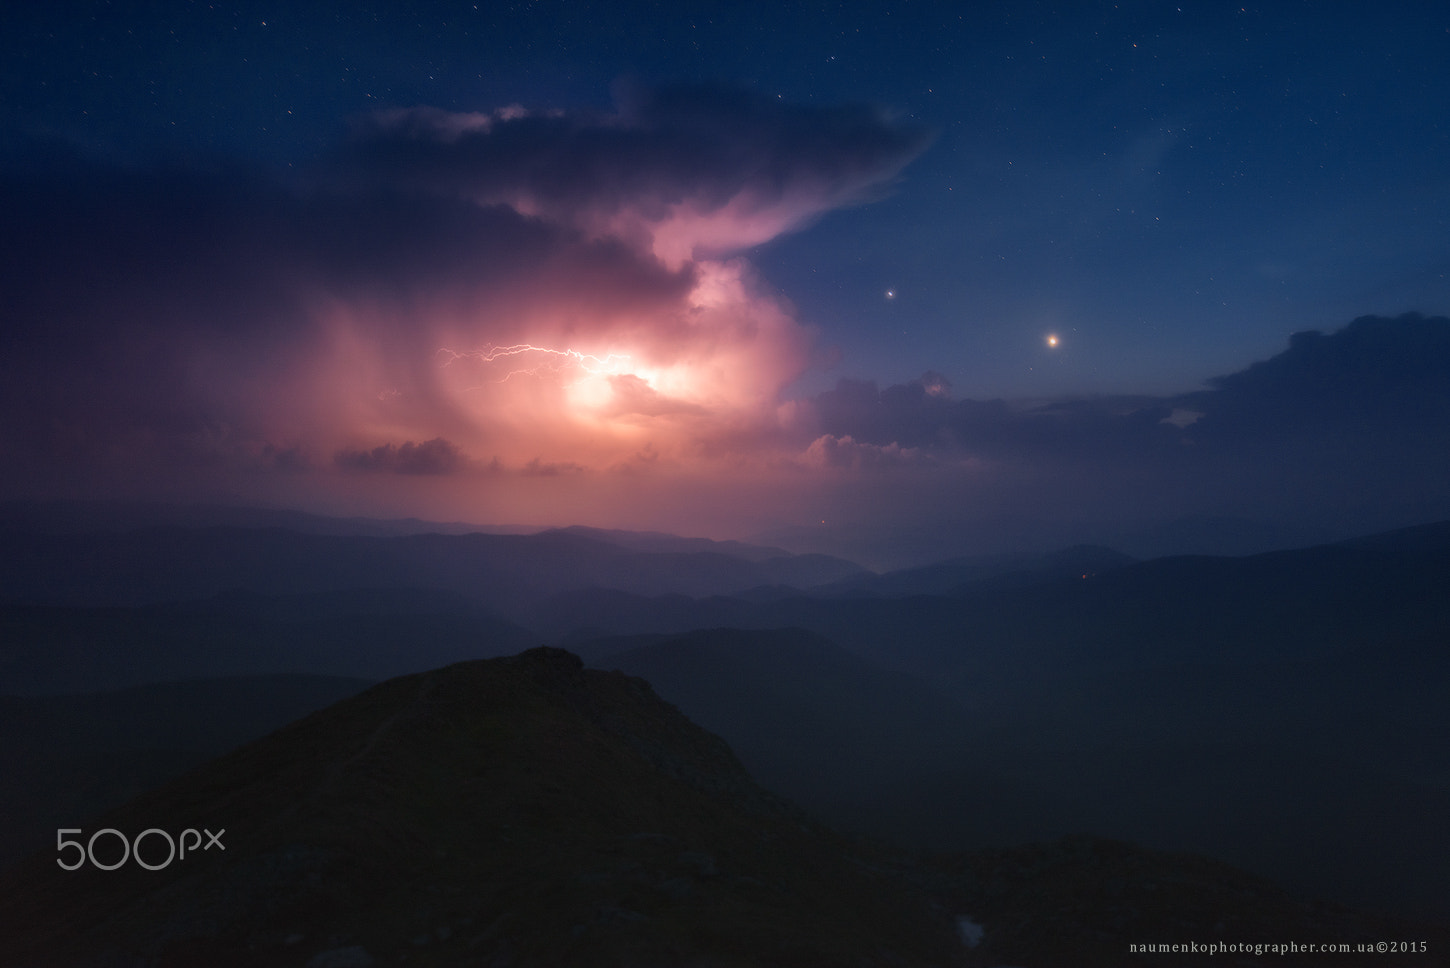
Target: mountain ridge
{"x":528,"y":811}
{"x":486,"y":805}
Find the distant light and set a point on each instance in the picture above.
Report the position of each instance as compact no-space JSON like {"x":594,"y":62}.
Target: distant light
{"x":1052,"y":339}
{"x":891,"y":294}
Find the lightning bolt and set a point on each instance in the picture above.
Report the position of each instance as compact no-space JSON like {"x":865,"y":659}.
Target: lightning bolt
{"x":555,"y":361}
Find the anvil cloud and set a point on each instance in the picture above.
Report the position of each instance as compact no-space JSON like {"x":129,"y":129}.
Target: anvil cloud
{"x":469,"y":296}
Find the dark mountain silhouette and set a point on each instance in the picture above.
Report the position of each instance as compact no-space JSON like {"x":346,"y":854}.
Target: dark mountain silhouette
{"x":1139,"y":702}
{"x":809,"y":719}
{"x":777,"y":567}
{"x":946,"y":577}
{"x":591,"y":613}
{"x":1219,"y":535}
{"x":504,"y":572}
{"x":655,"y":542}
{"x":1432,"y":539}
{"x":1144,"y":702}
{"x":83,"y":517}
{"x":519,"y":811}
{"x":369,"y":633}
{"x":526,"y":811}
{"x":65,"y":759}
{"x":1378,"y":592}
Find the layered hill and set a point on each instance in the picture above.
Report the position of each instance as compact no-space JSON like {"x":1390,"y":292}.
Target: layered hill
{"x":1143,"y":701}
{"x":809,"y":719}
{"x":498,"y":571}
{"x":1284,"y":712}
{"x":372,"y":633}
{"x":526,"y":811}
{"x":517,"y":811}
{"x":65,"y":759}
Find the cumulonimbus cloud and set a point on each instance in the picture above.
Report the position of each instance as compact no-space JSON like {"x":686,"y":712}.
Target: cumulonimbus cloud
{"x":517,"y":289}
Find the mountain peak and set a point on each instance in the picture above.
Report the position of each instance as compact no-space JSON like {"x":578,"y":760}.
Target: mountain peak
{"x":523,"y":810}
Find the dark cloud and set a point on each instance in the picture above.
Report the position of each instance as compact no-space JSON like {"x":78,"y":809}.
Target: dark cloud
{"x":704,"y":144}
{"x":748,"y":165}
{"x":166,"y":315}
{"x":181,"y":315}
{"x":1377,"y":380}
{"x":436,"y":456}
{"x":1345,"y":431}
{"x":90,"y":249}
{"x":846,"y":452}
{"x":921,"y":415}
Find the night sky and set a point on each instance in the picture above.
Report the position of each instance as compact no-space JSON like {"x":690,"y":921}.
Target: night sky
{"x":987,"y":275}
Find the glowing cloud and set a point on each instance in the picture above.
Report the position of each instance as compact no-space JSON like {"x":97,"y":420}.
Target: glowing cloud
{"x":678,"y":378}
{"x":448,"y":301}
{"x":567,"y":360}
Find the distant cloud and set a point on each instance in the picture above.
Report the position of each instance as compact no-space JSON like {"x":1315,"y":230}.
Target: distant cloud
{"x":542,"y":468}
{"x":1377,"y":379}
{"x":1345,"y":430}
{"x":1181,"y":418}
{"x":293,"y":458}
{"x":436,"y":456}
{"x":1377,"y":382}
{"x":921,"y":414}
{"x":844,"y":452}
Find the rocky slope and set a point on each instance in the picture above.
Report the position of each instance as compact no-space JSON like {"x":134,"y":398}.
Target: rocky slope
{"x":518,"y":811}
{"x":526,"y":811}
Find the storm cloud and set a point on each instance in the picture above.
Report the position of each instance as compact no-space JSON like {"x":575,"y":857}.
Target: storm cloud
{"x":532,"y":288}
{"x":543,"y":316}
{"x":682,"y":171}
{"x":436,"y":456}
{"x":1341,"y":431}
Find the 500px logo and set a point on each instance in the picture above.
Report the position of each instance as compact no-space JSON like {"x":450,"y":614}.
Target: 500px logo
{"x":132,"y":848}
